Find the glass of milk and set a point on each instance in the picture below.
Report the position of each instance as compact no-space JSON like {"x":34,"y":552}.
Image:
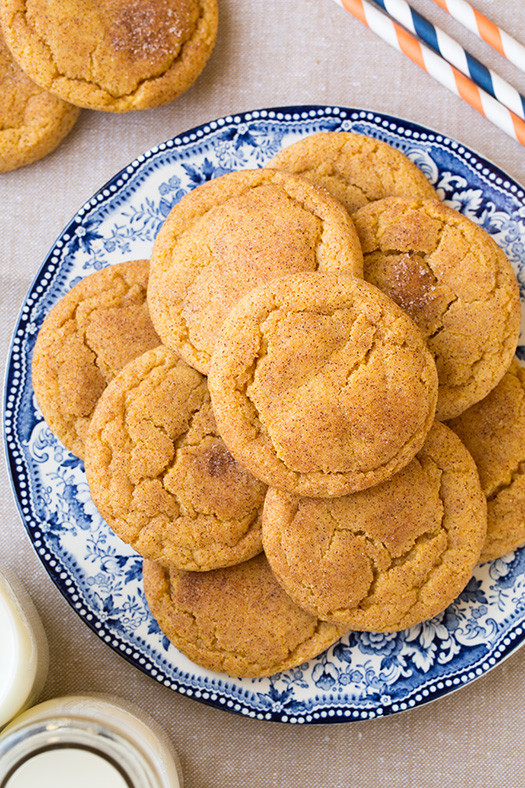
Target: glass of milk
{"x":86,"y":742}
{"x":23,"y":648}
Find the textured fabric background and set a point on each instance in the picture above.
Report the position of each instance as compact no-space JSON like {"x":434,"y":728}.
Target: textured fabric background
{"x":268,"y":53}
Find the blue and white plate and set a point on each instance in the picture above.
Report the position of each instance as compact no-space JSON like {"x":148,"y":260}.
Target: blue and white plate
{"x":364,"y":675}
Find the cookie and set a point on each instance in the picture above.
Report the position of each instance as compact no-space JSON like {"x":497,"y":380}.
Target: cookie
{"x":90,"y":334}
{"x":161,"y":476}
{"x":385,"y":558}
{"x":493,"y":431}
{"x":32,"y":121}
{"x":321,"y":385}
{"x":109,"y":55}
{"x":455,"y":282}
{"x":354,"y":168}
{"x":231,"y":234}
{"x":237,"y":620}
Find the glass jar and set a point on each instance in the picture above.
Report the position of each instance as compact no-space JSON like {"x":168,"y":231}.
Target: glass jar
{"x":86,"y":741}
{"x":23,"y":648}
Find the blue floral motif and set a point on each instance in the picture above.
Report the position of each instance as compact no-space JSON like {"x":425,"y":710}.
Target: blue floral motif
{"x":365,"y":672}
{"x":85,"y":235}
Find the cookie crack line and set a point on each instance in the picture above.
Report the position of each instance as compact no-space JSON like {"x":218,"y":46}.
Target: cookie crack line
{"x":512,"y":477}
{"x":442,"y":317}
{"x":58,"y":74}
{"x":245,"y":522}
{"x":214,"y":647}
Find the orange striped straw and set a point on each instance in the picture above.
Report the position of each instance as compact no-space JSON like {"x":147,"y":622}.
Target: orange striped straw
{"x":473,"y":20}
{"x":449,"y":76}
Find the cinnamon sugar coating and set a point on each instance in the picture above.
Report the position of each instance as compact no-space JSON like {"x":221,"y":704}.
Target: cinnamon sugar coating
{"x":389,"y":557}
{"x":321,"y":385}
{"x":236,"y":620}
{"x":160,"y":474}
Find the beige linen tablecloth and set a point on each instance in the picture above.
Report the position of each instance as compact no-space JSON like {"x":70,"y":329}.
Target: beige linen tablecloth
{"x":271,"y":53}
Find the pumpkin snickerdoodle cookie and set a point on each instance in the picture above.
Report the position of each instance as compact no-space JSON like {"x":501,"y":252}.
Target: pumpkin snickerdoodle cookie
{"x":455,"y":282}
{"x":160,"y":474}
{"x":232,"y":234}
{"x":354,"y":168}
{"x":493,"y":431}
{"x":32,"y":121}
{"x":236,"y":620}
{"x":385,"y":558}
{"x":321,"y":385}
{"x":113,"y":55}
{"x":90,"y":334}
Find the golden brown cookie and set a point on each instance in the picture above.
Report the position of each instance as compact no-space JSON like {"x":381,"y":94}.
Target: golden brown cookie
{"x":388,"y":557}
{"x":321,"y":385}
{"x":113,"y":55}
{"x":354,"y":168}
{"x":493,"y":431}
{"x":161,"y":476}
{"x":237,"y":620}
{"x":89,"y":335}
{"x":455,"y":282}
{"x":32,"y":121}
{"x":231,"y":234}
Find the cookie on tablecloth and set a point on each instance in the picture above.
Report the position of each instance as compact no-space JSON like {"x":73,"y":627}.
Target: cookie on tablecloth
{"x":493,"y":431}
{"x":232,"y":234}
{"x":90,"y":334}
{"x":321,"y":385}
{"x":236,"y":620}
{"x":354,"y":168}
{"x":389,"y":557}
{"x":160,"y":474}
{"x":32,"y":121}
{"x":108,"y":55}
{"x":455,"y":282}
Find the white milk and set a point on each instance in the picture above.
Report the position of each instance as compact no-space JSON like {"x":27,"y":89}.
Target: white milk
{"x":64,"y":768}
{"x":23,"y":648}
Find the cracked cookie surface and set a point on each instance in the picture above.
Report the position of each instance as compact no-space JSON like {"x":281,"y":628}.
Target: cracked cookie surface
{"x":161,"y":476}
{"x":90,"y":334}
{"x":385,"y":558}
{"x":32,"y":121}
{"x":321,"y":385}
{"x":354,"y":168}
{"x":455,"y":282}
{"x":108,"y":54}
{"x":230,"y":235}
{"x":236,"y":620}
{"x":493,"y":431}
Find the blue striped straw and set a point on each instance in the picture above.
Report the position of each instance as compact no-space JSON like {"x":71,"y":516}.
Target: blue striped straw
{"x":455,"y":54}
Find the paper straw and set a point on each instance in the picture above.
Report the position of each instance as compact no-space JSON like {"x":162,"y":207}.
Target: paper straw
{"x":459,"y":57}
{"x":507,"y":46}
{"x":433,"y":64}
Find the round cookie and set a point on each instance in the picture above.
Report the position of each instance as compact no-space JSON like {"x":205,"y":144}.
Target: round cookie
{"x":354,"y":168}
{"x":32,"y":121}
{"x":493,"y":431}
{"x":231,"y":234}
{"x":161,"y":476}
{"x":321,"y":385}
{"x":237,"y":620}
{"x":455,"y":282}
{"x":385,"y":558}
{"x":111,"y":55}
{"x":90,"y":334}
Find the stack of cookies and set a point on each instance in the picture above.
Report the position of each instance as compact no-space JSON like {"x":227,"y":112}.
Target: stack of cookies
{"x":261,"y":408}
{"x":109,"y":56}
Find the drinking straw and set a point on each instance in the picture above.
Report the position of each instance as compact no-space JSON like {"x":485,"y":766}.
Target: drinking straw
{"x":501,"y":41}
{"x":459,"y":57}
{"x":436,"y":66}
